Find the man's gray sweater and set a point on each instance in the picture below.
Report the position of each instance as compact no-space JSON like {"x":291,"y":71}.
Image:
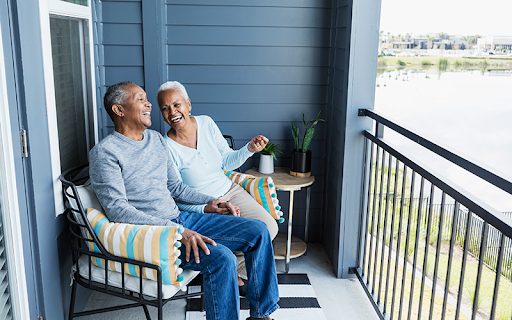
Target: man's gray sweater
{"x":136,"y":182}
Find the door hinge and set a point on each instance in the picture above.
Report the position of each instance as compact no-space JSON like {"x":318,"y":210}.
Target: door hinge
{"x":24,"y":143}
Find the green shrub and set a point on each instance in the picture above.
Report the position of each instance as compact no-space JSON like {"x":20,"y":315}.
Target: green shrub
{"x":443,"y":64}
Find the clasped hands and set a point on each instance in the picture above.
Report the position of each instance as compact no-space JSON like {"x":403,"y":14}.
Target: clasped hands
{"x":193,"y":240}
{"x":222,"y":207}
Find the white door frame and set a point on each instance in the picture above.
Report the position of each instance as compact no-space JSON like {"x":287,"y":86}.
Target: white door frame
{"x":65,"y":9}
{"x":11,"y":211}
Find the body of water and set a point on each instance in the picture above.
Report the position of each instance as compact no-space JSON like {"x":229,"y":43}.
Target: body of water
{"x":469,"y":112}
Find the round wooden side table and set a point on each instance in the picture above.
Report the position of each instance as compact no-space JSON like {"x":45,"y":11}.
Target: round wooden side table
{"x":289,"y":247}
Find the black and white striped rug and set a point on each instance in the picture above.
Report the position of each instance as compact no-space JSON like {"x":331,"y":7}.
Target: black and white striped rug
{"x":297,"y":300}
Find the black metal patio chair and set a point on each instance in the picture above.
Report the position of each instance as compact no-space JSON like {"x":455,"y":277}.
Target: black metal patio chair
{"x":141,"y":292}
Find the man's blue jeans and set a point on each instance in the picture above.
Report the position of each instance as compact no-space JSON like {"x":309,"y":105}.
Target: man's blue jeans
{"x":219,"y":271}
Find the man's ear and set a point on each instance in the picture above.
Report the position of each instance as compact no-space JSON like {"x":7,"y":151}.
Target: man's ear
{"x":118,"y":110}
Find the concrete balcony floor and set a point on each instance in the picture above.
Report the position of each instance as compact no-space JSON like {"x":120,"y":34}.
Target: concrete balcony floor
{"x":339,"y":298}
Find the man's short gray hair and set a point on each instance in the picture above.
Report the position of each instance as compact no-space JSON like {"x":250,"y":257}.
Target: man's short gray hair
{"x":116,"y":94}
{"x":173,"y":85}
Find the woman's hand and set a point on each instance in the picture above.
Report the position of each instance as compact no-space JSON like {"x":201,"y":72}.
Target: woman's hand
{"x":216,"y":206}
{"x":193,"y":241}
{"x":234,"y":210}
{"x":222,"y":207}
{"x":257,"y":143}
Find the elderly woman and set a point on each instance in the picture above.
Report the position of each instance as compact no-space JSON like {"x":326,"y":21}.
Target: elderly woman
{"x":201,"y":154}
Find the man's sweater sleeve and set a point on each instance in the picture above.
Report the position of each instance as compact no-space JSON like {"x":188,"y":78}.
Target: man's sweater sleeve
{"x":108,"y":184}
{"x":180,"y":191}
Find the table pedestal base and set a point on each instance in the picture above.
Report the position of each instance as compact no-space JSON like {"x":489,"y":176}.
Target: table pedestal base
{"x":298,"y":248}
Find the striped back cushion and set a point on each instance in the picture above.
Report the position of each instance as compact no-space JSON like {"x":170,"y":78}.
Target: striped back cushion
{"x":152,"y":244}
{"x":261,"y":189}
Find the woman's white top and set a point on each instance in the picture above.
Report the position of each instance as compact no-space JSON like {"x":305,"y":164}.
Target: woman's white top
{"x":203,"y":168}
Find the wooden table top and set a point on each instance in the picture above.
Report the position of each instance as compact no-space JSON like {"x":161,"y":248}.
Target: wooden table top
{"x":283,"y":180}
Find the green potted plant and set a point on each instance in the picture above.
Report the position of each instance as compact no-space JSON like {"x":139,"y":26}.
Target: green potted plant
{"x":267,"y":157}
{"x":301,"y":156}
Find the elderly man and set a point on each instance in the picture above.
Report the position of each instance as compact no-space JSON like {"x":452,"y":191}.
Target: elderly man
{"x":135,"y":182}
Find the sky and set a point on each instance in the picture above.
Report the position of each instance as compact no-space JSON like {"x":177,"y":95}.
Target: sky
{"x":455,"y":17}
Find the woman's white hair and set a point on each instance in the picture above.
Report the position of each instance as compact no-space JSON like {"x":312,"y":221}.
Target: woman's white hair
{"x":173,"y":85}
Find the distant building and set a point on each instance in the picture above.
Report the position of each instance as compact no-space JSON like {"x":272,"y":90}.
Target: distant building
{"x":403,"y":45}
{"x":420,"y":43}
{"x":495,"y":44}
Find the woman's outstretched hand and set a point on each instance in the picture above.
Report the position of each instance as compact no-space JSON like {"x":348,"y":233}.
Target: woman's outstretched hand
{"x":257,"y":143}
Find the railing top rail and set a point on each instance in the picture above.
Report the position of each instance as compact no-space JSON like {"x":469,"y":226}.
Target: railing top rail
{"x":497,"y":219}
{"x":477,"y":169}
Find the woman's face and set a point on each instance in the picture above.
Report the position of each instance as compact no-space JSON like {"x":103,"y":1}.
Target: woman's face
{"x":175,"y":108}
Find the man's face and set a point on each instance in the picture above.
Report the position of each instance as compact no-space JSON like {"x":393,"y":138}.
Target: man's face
{"x":136,"y":107}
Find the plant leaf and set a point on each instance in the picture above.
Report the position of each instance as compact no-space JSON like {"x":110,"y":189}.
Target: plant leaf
{"x":295,"y":133}
{"x":308,"y":137}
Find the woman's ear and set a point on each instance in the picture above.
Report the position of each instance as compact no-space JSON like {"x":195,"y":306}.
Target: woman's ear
{"x":189,"y":107}
{"x":118,"y":110}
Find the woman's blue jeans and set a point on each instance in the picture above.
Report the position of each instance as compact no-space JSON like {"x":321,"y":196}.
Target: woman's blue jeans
{"x":250,"y":236}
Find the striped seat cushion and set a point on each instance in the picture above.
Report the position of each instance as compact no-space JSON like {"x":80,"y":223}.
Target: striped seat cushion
{"x":158,"y":245}
{"x":262,"y":189}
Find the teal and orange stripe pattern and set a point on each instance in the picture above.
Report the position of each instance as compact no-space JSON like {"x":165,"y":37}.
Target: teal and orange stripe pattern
{"x":152,"y":244}
{"x":262,"y":189}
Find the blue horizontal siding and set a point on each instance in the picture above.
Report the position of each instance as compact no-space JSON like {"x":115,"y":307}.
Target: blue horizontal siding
{"x":254,"y":66}
{"x":253,"y":111}
{"x":266,"y":75}
{"x":118,"y":74}
{"x":220,"y":93}
{"x":248,"y":16}
{"x":120,"y":48}
{"x":245,"y":130}
{"x":122,"y":34}
{"x":248,"y":36}
{"x":248,"y":55}
{"x":129,"y":56}
{"x":251,"y":3}
{"x":121,"y":12}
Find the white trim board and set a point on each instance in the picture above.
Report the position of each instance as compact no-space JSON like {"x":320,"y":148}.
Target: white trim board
{"x":66,"y":9}
{"x":11,"y":211}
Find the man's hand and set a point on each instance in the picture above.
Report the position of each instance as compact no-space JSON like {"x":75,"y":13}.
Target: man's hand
{"x":257,"y":143}
{"x":234,"y":210}
{"x":193,"y":241}
{"x":216,"y":206}
{"x":222,"y":207}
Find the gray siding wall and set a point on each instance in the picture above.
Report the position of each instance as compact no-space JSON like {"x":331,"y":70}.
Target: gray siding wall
{"x":336,"y":114}
{"x":253,"y":67}
{"x":352,"y":86}
{"x":118,"y":49}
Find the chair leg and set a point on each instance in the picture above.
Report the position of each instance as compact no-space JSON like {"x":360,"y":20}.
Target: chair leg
{"x":202,"y":296}
{"x":146,"y":312}
{"x":72,"y":302}
{"x":160,"y":312}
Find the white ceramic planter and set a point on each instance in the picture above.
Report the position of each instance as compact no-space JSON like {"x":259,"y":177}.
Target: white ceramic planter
{"x":266,"y":164}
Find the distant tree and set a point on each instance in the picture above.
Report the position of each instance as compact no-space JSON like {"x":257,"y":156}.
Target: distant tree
{"x":444,"y":36}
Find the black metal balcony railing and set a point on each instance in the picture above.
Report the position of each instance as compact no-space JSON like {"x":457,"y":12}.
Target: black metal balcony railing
{"x":429,"y":249}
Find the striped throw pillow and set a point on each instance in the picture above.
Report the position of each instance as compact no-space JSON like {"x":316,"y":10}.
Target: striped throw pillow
{"x":262,"y":189}
{"x":152,"y":244}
